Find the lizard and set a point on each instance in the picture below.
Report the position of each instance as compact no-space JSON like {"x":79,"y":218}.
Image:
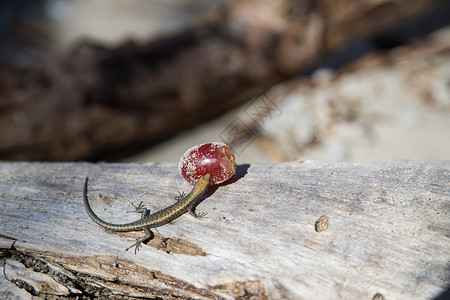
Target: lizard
{"x":185,"y":203}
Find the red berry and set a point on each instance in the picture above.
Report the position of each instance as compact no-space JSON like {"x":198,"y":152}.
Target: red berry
{"x":215,"y":158}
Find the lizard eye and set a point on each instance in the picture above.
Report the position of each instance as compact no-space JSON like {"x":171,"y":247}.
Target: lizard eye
{"x":215,"y":158}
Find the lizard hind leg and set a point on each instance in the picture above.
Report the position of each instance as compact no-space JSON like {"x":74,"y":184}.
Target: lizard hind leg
{"x":148,"y":236}
{"x":141,"y":209}
{"x":180,"y":196}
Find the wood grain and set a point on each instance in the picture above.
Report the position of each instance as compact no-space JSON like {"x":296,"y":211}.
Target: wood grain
{"x":388,"y":232}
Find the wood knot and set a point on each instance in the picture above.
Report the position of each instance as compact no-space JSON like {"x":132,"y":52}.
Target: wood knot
{"x":322,"y":223}
{"x":378,"y":296}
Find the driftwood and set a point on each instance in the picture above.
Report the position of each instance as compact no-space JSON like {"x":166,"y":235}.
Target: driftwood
{"x":387,"y":235}
{"x":95,"y":101}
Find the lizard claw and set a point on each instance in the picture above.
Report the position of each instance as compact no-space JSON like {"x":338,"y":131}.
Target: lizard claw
{"x":201,"y":215}
{"x":137,"y":245}
{"x":180,"y":196}
{"x":148,"y":235}
{"x":140,"y":209}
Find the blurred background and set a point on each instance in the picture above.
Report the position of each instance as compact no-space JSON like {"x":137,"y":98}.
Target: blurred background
{"x":280,"y":80}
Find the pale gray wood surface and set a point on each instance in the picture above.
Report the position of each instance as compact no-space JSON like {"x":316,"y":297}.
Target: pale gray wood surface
{"x":388,"y":232}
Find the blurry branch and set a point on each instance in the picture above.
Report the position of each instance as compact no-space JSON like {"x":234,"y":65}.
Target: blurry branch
{"x":94,"y":101}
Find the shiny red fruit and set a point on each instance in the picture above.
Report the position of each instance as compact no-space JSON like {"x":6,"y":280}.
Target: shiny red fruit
{"x":215,"y":158}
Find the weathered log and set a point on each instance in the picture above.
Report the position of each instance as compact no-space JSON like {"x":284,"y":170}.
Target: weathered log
{"x":95,"y":100}
{"x":388,"y":232}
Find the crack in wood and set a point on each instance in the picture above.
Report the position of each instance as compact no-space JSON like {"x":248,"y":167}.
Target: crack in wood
{"x":115,"y":286}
